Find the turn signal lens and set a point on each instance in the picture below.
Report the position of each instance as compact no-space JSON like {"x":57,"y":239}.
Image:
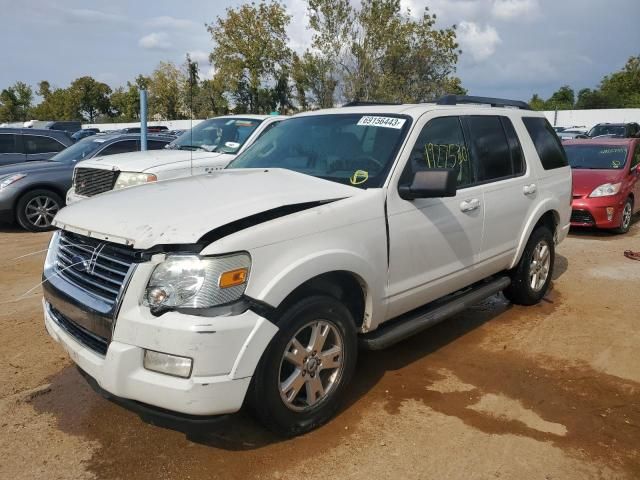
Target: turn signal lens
{"x":233,"y":278}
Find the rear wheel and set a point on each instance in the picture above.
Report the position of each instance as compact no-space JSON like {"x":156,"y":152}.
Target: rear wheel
{"x":627,"y":214}
{"x":35,"y":210}
{"x":531,"y":278}
{"x":301,"y":378}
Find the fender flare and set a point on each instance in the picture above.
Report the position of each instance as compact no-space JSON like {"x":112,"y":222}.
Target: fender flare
{"x":547,"y":205}
{"x":284,"y":281}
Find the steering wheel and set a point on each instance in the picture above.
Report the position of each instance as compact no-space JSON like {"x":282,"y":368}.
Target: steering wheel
{"x":371,"y":160}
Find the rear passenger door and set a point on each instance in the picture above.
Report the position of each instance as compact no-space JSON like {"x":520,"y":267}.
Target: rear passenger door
{"x":40,"y":147}
{"x":509,"y":187}
{"x":434,"y":242}
{"x":9,"y":151}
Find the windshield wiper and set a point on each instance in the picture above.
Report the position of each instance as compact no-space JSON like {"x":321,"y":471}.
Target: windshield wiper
{"x":190,"y":147}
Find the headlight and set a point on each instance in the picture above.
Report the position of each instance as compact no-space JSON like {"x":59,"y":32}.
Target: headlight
{"x":606,"y":190}
{"x":190,"y":281}
{"x":131,"y":179}
{"x":6,"y":181}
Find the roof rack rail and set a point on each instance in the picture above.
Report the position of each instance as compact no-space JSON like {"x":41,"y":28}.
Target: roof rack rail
{"x":494,"y":102}
{"x":359,"y":103}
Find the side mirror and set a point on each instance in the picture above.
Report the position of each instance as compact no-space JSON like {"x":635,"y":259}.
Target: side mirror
{"x":434,"y":183}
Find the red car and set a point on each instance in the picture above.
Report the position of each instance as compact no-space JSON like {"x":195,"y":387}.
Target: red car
{"x":606,"y":186}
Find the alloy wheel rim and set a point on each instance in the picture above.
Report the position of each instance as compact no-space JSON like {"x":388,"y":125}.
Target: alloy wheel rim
{"x":311,"y":365}
{"x":540,"y":266}
{"x":626,"y":216}
{"x":40,"y":211}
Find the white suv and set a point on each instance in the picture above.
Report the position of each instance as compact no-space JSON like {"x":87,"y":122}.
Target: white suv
{"x":338,"y":228}
{"x":207,"y":147}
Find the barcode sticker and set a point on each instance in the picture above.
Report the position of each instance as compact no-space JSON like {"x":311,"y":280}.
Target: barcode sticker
{"x":388,"y":122}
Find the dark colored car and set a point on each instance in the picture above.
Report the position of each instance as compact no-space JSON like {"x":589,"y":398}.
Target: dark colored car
{"x":29,"y":144}
{"x":606,"y":182}
{"x":84,"y":133}
{"x":32,"y":193}
{"x":614,"y":130}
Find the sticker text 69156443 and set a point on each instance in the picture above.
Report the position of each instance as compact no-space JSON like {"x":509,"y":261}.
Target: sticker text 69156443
{"x":388,"y":122}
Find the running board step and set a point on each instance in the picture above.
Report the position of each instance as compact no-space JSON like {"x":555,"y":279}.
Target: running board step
{"x":413,"y":322}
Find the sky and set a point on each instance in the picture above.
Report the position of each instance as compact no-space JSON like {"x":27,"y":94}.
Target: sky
{"x":511,"y":48}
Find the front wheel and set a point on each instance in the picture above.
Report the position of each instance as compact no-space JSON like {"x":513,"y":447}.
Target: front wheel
{"x":301,"y":378}
{"x":625,"y":221}
{"x":531,"y":278}
{"x":35,"y":210}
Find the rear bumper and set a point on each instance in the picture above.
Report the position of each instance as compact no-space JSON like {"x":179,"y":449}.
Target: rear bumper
{"x":600,"y":212}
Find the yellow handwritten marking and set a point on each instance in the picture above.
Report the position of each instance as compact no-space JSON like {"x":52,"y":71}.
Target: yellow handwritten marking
{"x":615,"y":163}
{"x":358,"y":177}
{"x":445,"y":156}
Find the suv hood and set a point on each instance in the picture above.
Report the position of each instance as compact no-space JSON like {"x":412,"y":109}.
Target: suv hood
{"x":142,"y":161}
{"x":585,"y":181}
{"x":182,"y":211}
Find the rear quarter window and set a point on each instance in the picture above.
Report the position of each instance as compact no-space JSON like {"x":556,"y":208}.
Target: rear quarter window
{"x":547,"y":143}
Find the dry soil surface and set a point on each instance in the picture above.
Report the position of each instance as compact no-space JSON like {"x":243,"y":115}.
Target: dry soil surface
{"x":544,"y":392}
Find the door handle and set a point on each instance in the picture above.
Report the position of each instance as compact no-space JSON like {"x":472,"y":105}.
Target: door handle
{"x":469,"y":205}
{"x":530,"y":189}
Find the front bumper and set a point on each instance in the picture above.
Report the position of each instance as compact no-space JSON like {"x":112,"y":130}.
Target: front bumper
{"x":121,"y":372}
{"x":592,"y":212}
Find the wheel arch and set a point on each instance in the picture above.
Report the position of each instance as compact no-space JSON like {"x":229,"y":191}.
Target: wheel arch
{"x":545,"y":215}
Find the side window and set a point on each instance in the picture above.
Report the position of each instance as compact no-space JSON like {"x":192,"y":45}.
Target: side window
{"x":490,"y":149}
{"x":123,"y":146}
{"x":441,"y":145}
{"x":267,"y":128}
{"x":7,"y":143}
{"x":547,"y":143}
{"x":155,"y":145}
{"x":635,"y":160}
{"x":517,"y":155}
{"x":39,"y":144}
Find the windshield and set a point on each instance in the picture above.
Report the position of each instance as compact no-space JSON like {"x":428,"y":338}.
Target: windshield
{"x":604,"y":157}
{"x":612,"y":130}
{"x":223,"y":134}
{"x":351,"y":149}
{"x":78,"y":151}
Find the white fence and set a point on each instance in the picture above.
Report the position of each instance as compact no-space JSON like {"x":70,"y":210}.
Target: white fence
{"x":588,"y":118}
{"x":559,"y":118}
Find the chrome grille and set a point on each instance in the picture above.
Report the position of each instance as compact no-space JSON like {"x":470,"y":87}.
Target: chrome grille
{"x":92,"y":181}
{"x":98,"y":267}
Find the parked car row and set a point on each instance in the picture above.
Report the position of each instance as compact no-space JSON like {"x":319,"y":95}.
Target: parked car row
{"x":601,"y":130}
{"x":255,"y":281}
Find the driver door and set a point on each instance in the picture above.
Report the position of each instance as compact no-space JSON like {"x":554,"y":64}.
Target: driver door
{"x":434,"y":243}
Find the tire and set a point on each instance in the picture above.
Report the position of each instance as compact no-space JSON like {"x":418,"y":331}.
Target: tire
{"x":627,"y":215}
{"x":524,"y":288}
{"x":302,"y":408}
{"x":35,"y":210}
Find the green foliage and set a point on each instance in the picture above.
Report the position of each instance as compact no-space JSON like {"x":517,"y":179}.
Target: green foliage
{"x":15,"y":102}
{"x":166,"y":87}
{"x":562,"y":99}
{"x":90,"y":97}
{"x":251,"y":53}
{"x":536,"y":103}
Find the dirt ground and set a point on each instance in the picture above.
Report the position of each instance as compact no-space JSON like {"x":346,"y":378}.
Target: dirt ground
{"x":544,"y":392}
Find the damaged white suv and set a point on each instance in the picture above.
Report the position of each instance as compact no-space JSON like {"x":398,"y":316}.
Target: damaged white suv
{"x":342,"y":228}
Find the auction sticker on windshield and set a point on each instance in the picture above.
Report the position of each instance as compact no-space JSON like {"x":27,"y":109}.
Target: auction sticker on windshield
{"x":388,"y":122}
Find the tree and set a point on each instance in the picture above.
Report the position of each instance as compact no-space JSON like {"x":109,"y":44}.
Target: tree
{"x":90,"y":97}
{"x":381,"y":53}
{"x":536,"y":103}
{"x":166,"y":86}
{"x":622,"y":89}
{"x":562,"y":99}
{"x":315,"y":80}
{"x":15,"y":102}
{"x":251,"y":51}
{"x":588,"y":98}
